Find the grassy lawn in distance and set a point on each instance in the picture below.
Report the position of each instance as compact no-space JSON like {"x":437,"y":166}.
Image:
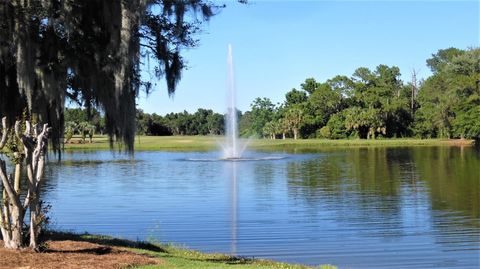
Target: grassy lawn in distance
{"x":203,"y":143}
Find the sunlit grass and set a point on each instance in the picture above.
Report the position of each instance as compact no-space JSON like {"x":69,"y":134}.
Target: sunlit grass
{"x":173,"y":257}
{"x":205,"y":143}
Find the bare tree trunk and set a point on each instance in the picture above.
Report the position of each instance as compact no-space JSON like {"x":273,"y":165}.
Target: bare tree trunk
{"x":12,"y":212}
{"x":295,"y":133}
{"x":35,"y":147}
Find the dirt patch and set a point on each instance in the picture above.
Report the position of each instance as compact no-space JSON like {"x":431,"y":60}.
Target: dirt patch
{"x":460,"y":142}
{"x":72,"y":254}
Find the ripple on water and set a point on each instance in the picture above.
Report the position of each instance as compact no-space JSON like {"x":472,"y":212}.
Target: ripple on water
{"x":361,"y":208}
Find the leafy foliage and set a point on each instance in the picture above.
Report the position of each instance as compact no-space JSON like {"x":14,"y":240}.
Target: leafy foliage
{"x":377,"y":103}
{"x":369,"y":104}
{"x":450,"y":99}
{"x":91,"y":52}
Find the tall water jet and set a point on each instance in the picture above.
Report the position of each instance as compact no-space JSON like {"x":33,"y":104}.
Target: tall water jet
{"x":231,"y":148}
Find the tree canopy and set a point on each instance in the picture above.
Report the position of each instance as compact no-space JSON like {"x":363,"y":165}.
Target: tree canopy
{"x":368,"y":104}
{"x":377,"y":103}
{"x":91,"y":52}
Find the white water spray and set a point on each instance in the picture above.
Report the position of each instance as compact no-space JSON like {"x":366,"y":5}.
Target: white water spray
{"x":232,"y":148}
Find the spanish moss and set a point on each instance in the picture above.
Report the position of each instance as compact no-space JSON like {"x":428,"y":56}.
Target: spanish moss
{"x":90,"y":53}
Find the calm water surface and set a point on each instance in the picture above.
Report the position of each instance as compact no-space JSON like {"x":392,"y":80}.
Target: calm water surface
{"x":413,"y":207}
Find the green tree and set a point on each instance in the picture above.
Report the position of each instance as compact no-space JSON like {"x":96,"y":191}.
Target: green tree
{"x":381,"y":106}
{"x":270,"y":129}
{"x":295,"y":97}
{"x":86,"y":129}
{"x":294,"y":119}
{"x":466,"y":85}
{"x":442,"y":58}
{"x":244,"y":124}
{"x":142,"y":122}
{"x":262,"y":111}
{"x":335,"y":128}
{"x":449,"y":99}
{"x":310,"y":85}
{"x":75,"y":115}
{"x":158,"y":125}
{"x":70,"y":129}
{"x":216,"y":124}
{"x":322,"y":103}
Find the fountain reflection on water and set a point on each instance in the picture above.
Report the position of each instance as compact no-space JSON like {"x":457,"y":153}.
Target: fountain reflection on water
{"x":232,"y":151}
{"x":233,"y":209}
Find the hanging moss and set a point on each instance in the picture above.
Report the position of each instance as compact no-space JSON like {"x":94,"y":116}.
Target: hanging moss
{"x":90,"y":52}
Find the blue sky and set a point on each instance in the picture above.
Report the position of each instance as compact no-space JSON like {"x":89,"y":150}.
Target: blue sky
{"x":278,"y":44}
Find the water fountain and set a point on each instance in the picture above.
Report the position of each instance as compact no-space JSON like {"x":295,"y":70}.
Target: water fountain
{"x":233,"y":147}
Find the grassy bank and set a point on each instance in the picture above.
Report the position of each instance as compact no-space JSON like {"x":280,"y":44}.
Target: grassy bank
{"x":201,"y":143}
{"x":159,"y":255}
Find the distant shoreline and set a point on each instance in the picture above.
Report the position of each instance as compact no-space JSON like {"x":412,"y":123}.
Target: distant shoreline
{"x":207,"y":143}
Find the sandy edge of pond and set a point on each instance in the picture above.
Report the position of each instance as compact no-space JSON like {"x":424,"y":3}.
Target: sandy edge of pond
{"x":73,"y":254}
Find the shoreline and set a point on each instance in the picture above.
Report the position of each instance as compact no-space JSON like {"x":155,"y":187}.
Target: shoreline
{"x":72,"y":250}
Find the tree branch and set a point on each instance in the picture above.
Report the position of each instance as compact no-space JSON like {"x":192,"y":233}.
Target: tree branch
{"x":147,"y":37}
{"x":4,"y":132}
{"x":38,"y":155}
{"x":28,"y":128}
{"x":8,"y":186}
{"x":150,"y":47}
{"x":26,"y":203}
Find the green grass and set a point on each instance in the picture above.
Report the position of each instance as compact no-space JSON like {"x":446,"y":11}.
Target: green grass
{"x":173,"y":257}
{"x":204,"y":143}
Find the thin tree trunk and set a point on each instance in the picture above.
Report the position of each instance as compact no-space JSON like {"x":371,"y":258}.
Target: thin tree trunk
{"x":18,"y":171}
{"x":12,"y":212}
{"x":17,"y":219}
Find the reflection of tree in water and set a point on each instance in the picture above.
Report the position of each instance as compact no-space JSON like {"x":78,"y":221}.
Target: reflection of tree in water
{"x":371,"y":186}
{"x":268,"y":171}
{"x":361,"y":187}
{"x":453,"y":178}
{"x":377,"y":170}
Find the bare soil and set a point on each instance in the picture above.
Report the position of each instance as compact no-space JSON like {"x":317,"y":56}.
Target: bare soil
{"x":460,"y":142}
{"x":72,"y":254}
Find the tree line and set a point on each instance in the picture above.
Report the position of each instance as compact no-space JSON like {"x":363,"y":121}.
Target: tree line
{"x":377,"y":103}
{"x":86,"y":122}
{"x":202,"y":122}
{"x":369,"y":104}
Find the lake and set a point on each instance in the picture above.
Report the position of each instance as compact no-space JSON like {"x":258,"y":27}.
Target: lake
{"x":412,"y":207}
